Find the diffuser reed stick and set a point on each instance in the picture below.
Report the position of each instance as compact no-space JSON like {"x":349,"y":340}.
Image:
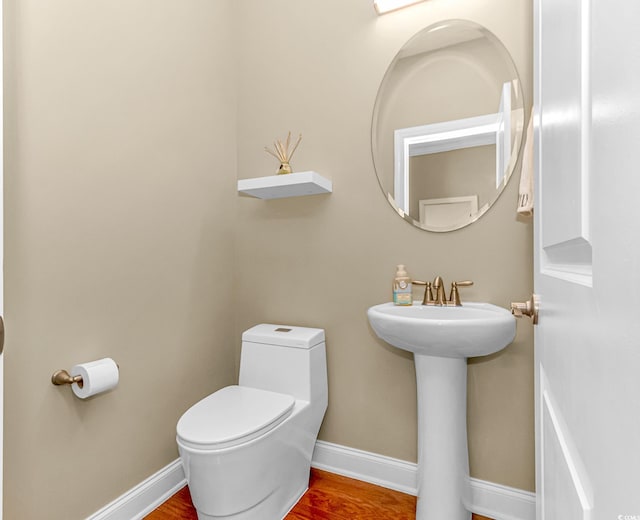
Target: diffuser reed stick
{"x":283,"y":154}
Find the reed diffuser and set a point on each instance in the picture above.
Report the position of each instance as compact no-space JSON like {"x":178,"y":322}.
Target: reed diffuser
{"x":282,"y":153}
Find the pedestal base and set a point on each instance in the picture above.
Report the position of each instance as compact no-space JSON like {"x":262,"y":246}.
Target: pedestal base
{"x":443,"y":457}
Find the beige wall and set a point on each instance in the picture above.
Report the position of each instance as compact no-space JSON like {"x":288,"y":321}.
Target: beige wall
{"x":314,"y":67}
{"x":120,"y":191}
{"x":124,"y":230}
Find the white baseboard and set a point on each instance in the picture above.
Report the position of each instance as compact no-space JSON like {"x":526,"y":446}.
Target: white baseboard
{"x":501,"y":502}
{"x":368,"y":467}
{"x":138,"y":502}
{"x":486,"y":498}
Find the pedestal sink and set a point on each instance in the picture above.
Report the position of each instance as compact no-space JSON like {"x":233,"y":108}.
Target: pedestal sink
{"x":441,"y":338}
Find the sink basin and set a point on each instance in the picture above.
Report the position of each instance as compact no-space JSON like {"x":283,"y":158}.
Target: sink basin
{"x":475,"y":329}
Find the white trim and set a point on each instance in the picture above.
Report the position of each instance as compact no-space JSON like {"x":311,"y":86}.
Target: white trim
{"x":368,"y":467}
{"x":435,"y":138}
{"x":453,"y":135}
{"x":486,"y":498}
{"x":1,"y":253}
{"x":138,"y":502}
{"x":501,"y":502}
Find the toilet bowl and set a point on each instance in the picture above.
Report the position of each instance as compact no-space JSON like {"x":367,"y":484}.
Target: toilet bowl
{"x":246,"y":449}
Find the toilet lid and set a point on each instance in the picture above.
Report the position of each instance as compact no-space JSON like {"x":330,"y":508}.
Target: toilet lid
{"x":231,"y":416}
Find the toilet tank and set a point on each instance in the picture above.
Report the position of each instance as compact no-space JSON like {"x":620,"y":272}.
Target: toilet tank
{"x":286,"y":359}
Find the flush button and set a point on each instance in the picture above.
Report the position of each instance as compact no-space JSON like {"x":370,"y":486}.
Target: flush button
{"x":282,"y":329}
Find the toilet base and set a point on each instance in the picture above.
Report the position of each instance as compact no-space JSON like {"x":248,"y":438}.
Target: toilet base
{"x":260,"y":480}
{"x":261,"y":511}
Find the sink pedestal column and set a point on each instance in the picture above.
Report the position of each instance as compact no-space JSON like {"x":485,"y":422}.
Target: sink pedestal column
{"x":443,"y":457}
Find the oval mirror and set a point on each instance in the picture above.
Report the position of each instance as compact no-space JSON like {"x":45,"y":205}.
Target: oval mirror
{"x":447,"y":125}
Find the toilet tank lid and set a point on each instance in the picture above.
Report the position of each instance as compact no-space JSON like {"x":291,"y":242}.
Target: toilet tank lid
{"x":284,"y":335}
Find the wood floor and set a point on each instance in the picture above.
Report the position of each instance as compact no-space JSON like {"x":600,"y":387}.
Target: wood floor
{"x":330,"y":497}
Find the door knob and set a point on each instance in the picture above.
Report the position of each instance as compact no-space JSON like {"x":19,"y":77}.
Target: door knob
{"x":529,"y":308}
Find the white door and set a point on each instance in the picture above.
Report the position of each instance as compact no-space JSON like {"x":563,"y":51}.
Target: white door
{"x":587,"y":259}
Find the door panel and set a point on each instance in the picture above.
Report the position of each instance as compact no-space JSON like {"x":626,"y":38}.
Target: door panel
{"x":566,"y":486}
{"x":564,"y":112}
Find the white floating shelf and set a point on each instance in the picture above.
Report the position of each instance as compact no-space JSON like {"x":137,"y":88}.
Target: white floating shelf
{"x":286,"y":185}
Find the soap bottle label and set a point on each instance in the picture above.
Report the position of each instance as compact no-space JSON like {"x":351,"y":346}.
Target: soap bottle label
{"x":402,"y":292}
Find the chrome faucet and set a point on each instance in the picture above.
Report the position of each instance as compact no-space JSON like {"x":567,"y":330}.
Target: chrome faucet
{"x":437,"y":287}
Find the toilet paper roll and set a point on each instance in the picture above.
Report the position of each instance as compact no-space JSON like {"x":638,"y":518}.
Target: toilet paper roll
{"x":97,"y":377}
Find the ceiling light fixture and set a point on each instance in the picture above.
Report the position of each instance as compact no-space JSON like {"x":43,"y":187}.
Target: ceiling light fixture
{"x":384,"y":6}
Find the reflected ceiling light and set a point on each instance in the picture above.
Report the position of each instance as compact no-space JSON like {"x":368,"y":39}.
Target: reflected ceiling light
{"x":384,"y":6}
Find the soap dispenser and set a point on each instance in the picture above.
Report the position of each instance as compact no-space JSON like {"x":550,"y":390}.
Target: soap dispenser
{"x":402,"y":294}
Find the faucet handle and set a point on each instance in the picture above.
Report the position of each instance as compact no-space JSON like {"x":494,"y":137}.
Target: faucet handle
{"x":454,"y":297}
{"x":428,"y":293}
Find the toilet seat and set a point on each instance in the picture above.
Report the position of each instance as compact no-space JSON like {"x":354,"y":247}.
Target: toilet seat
{"x":231,"y":416}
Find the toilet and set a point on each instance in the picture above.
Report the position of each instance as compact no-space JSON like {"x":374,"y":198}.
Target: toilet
{"x":246,"y":449}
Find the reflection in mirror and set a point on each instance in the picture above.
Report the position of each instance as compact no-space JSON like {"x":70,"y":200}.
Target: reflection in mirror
{"x":447,"y":126}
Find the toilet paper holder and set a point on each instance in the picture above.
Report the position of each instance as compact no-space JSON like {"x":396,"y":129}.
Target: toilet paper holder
{"x":62,"y":377}
{"x":89,"y":379}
